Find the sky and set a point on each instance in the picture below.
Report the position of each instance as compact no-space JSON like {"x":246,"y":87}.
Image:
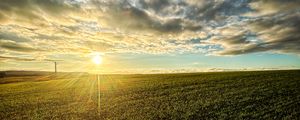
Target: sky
{"x":149,"y":36}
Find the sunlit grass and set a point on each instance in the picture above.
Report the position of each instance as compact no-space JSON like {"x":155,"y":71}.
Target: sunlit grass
{"x":167,"y":96}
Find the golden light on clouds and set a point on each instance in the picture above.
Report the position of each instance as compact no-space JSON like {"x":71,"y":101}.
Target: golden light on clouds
{"x":144,"y":35}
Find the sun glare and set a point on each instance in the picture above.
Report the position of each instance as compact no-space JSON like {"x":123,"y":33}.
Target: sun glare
{"x":97,"y":59}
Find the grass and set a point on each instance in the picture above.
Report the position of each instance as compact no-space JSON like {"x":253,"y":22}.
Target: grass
{"x":228,"y":95}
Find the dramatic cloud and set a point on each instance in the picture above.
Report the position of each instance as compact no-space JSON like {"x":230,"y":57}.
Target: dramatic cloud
{"x":277,"y":33}
{"x":14,"y":46}
{"x":26,"y":59}
{"x":168,"y":16}
{"x":15,"y":58}
{"x":218,"y":27}
{"x":267,"y":7}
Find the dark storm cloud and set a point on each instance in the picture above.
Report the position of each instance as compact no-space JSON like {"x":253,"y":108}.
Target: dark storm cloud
{"x":273,"y":24}
{"x":266,"y":7}
{"x":239,"y":39}
{"x":132,"y":18}
{"x":279,"y":34}
{"x":195,"y":9}
{"x":170,"y":16}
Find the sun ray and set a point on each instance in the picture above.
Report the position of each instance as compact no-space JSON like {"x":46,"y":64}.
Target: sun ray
{"x":97,"y":59}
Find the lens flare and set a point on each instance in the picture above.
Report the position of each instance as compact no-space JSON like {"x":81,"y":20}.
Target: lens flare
{"x":97,"y":59}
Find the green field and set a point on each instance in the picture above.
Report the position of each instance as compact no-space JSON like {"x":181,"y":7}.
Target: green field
{"x":229,"y":95}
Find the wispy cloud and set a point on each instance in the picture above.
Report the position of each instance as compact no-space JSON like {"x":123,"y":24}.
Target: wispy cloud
{"x":15,"y":46}
{"x":219,"y":27}
{"x":26,"y":59}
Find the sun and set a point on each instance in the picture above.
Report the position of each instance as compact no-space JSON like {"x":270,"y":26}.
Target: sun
{"x":97,"y":59}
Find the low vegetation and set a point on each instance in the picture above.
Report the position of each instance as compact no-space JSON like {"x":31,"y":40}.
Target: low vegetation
{"x":230,"y":95}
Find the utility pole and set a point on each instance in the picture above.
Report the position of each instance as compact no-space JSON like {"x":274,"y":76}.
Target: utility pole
{"x":55,"y":67}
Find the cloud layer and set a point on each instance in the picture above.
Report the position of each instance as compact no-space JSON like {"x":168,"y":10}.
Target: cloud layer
{"x":43,"y":28}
